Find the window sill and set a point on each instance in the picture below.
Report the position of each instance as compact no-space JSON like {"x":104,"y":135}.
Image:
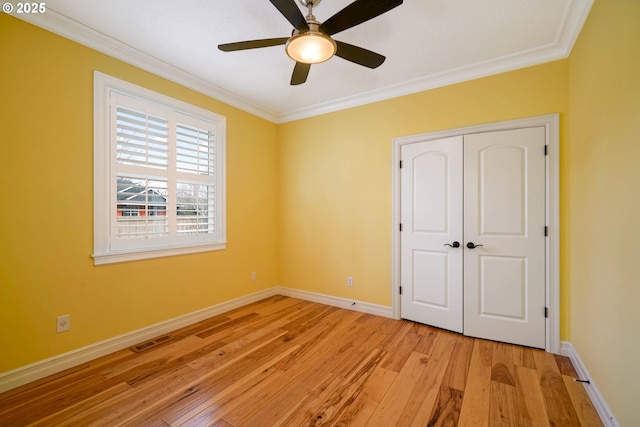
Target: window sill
{"x":126,"y":256}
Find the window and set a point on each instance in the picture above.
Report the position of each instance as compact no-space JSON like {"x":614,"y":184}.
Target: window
{"x":159,"y":175}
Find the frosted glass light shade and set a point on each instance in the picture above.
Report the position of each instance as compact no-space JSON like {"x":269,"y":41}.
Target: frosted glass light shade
{"x":311,"y":47}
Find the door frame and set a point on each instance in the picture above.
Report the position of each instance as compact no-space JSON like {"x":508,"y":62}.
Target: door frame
{"x":551,"y":123}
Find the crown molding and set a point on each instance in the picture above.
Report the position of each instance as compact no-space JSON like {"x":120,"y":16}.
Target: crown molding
{"x":575,"y":15}
{"x":433,"y":81}
{"x":68,"y":28}
{"x":573,"y":20}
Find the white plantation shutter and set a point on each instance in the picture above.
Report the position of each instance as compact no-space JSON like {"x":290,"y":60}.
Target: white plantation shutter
{"x":195,"y":166}
{"x":160,"y":175}
{"x":195,"y":203}
{"x":142,"y":139}
{"x":195,"y":150}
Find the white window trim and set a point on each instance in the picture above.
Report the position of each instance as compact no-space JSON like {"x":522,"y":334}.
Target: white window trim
{"x":102,"y":250}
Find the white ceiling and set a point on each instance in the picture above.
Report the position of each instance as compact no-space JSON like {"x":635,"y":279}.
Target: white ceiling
{"x":428,"y":43}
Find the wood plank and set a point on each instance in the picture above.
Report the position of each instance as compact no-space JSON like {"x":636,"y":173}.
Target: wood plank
{"x":201,"y":326}
{"x":585,"y":411}
{"x":421,"y":402}
{"x":502,"y":367}
{"x":560,"y":409}
{"x":428,"y":335}
{"x":310,"y":410}
{"x":222,"y":387}
{"x":67,"y":395}
{"x":402,"y":344}
{"x":234,"y":394}
{"x":261,"y":306}
{"x":477,"y":393}
{"x":234,"y":350}
{"x":518,"y":356}
{"x":275,"y":402}
{"x":302,"y":330}
{"x":565,"y":366}
{"x":226,"y":325}
{"x":530,"y":397}
{"x":51,"y":418}
{"x":447,"y":409}
{"x":523,"y":356}
{"x":504,"y":409}
{"x":203,"y":391}
{"x":249,"y":401}
{"x":458,"y":367}
{"x":148,"y":420}
{"x":132,"y":403}
{"x":68,"y":382}
{"x":348,"y":357}
{"x":280,"y":305}
{"x":540,"y":357}
{"x":390,"y":408}
{"x":528,"y":361}
{"x":329,"y":409}
{"x":519,"y":405}
{"x":148,"y":361}
{"x":365,"y":403}
{"x":324,"y":339}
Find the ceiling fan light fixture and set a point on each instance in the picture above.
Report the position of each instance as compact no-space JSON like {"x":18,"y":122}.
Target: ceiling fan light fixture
{"x":311,"y":47}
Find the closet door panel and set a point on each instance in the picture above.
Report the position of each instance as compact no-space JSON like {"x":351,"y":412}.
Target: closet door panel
{"x":504,"y":219}
{"x":431,"y":212}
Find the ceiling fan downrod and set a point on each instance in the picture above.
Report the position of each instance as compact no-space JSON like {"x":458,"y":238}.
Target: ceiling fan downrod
{"x":310,"y":4}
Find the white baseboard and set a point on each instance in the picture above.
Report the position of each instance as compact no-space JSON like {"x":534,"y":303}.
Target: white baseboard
{"x":365,"y":307}
{"x":35,"y":371}
{"x":607,"y":417}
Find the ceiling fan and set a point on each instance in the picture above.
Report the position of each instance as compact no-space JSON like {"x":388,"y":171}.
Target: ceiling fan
{"x":311,"y":42}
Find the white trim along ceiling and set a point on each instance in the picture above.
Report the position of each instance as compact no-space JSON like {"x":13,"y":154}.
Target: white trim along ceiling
{"x":427,"y":44}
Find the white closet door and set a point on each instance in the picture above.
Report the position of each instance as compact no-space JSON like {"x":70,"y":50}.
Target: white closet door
{"x":504,"y":211}
{"x":431,"y":211}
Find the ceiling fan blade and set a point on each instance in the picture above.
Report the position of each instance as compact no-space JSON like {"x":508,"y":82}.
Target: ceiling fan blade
{"x":252,"y":44}
{"x":359,"y":55}
{"x":290,"y":10}
{"x":356,"y":13}
{"x":300,"y":73}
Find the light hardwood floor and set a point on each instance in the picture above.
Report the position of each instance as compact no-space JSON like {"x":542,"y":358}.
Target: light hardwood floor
{"x":287,"y":362}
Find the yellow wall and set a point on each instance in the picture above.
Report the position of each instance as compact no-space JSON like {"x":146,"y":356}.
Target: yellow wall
{"x":321,"y":188}
{"x":46,"y":214}
{"x":604,"y":202}
{"x":335,"y":175}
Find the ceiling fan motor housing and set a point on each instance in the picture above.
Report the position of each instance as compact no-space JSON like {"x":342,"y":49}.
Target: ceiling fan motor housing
{"x":311,"y":46}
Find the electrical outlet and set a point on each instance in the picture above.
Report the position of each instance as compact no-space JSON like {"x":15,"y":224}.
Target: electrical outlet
{"x":253,"y":276}
{"x":63,"y":323}
{"x":349,"y":281}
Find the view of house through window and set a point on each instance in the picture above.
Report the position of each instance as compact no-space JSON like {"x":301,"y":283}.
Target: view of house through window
{"x":163,"y":175}
{"x":143,"y":142}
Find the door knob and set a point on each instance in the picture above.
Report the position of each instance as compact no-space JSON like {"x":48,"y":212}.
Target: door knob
{"x":471,"y":245}
{"x":453,"y":245}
